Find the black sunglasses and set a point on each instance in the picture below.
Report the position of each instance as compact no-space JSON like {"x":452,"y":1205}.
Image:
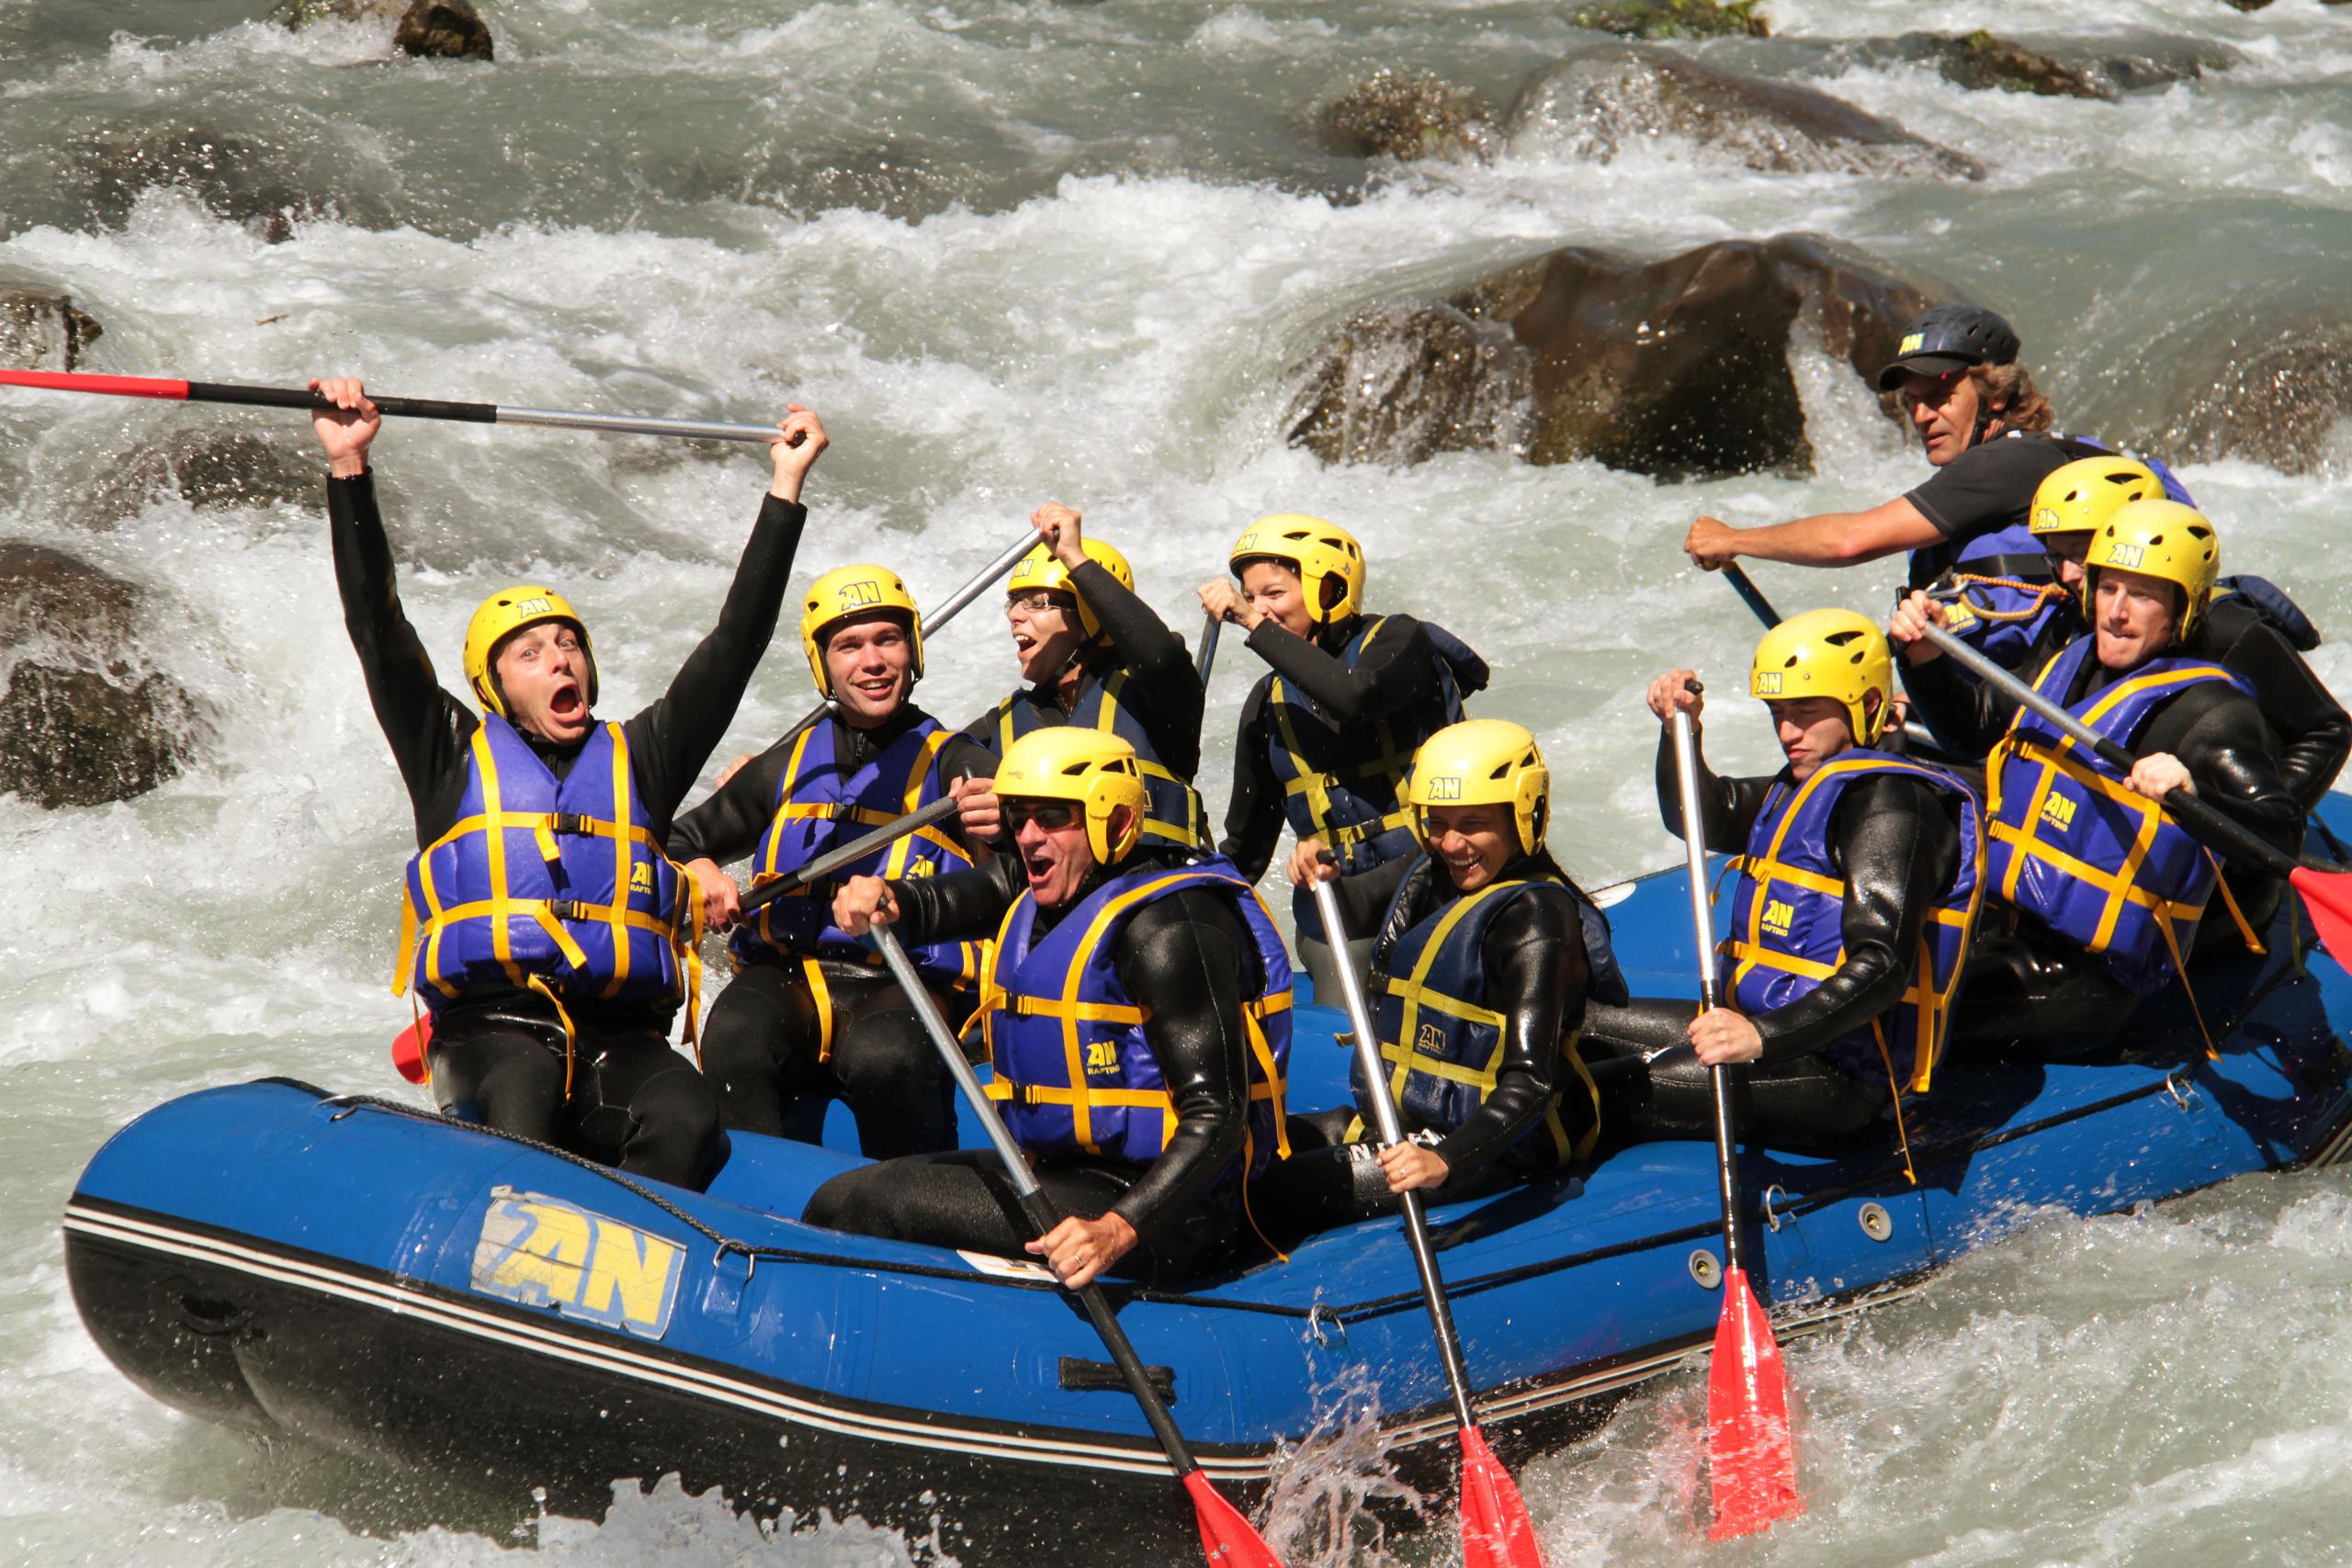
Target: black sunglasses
{"x":1050,"y":814}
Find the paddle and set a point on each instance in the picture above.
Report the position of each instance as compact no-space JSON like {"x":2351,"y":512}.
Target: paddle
{"x":856,"y":849}
{"x":1751,"y":595}
{"x":1229,"y":1538}
{"x":399,"y":408}
{"x":1495,"y":1529}
{"x":2327,"y":895}
{"x":1751,"y":1460}
{"x":1207,"y":656}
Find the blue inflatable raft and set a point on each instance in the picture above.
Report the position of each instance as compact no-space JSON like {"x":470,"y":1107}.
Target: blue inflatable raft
{"x":429,"y":1295}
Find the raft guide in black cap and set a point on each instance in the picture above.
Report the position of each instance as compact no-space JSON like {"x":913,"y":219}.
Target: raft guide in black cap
{"x":1950,"y":338}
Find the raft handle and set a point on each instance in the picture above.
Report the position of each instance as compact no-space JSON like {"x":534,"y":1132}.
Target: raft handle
{"x":1094,"y":1377}
{"x":1775,"y":1191}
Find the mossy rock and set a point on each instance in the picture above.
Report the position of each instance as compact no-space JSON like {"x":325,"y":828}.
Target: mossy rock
{"x":1403,"y":114}
{"x":1677,"y":20}
{"x":444,"y":30}
{"x":1981,"y":61}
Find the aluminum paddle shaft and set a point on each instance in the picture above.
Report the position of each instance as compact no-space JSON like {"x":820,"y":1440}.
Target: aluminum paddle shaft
{"x":1495,"y":1529}
{"x":1703,"y":930}
{"x":1229,"y":1539}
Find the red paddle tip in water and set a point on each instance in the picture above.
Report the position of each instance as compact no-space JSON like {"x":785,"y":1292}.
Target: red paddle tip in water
{"x":1496,"y":1530}
{"x":1752,"y":1459}
{"x":1230,"y":1540}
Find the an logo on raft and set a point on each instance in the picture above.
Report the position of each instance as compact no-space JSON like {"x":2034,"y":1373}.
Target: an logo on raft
{"x":542,"y":1251}
{"x":2058,"y":811}
{"x":1778,"y":914}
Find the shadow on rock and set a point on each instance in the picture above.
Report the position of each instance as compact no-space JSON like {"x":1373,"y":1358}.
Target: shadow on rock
{"x":84,"y":719}
{"x":1676,"y":369}
{"x":1607,"y":100}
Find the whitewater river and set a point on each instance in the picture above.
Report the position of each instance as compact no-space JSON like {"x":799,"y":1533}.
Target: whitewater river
{"x":1015,"y":250}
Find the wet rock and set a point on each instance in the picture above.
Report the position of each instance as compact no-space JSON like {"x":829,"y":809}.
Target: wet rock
{"x":264,"y":187}
{"x":1403,"y":114}
{"x":2274,"y":394}
{"x":1980,"y":61}
{"x":444,"y":30}
{"x":43,"y":332}
{"x":2245,"y":4}
{"x":299,"y":13}
{"x":1675,"y":368}
{"x":2134,"y":60}
{"x":1402,"y":386}
{"x":1603,"y":100}
{"x":206,"y":466}
{"x":83,"y":721}
{"x":1675,"y":20}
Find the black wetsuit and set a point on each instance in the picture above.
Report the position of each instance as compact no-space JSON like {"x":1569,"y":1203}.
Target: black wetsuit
{"x":1189,"y":961}
{"x":760,"y":1045}
{"x":1533,"y":972}
{"x":1985,"y":489}
{"x":1396,"y":677}
{"x":2027,"y":982}
{"x":1896,"y":842}
{"x":1162,"y":689}
{"x":498,"y":1050}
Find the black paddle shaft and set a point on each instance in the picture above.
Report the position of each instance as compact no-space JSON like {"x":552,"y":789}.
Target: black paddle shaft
{"x":298,"y":398}
{"x":1750,"y":595}
{"x":856,"y":850}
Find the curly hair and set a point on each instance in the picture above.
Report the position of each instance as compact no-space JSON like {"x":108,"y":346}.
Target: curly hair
{"x":2009,"y":391}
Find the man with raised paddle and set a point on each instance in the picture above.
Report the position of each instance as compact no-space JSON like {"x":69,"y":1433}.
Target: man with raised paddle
{"x":546,"y":932}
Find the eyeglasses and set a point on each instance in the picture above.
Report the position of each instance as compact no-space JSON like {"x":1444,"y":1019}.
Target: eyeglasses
{"x":1050,"y":814}
{"x":1034,"y":602}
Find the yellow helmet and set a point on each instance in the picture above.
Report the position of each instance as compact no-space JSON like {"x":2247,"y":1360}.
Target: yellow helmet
{"x":2080,"y":496}
{"x":1093,"y":768}
{"x":508,"y":611}
{"x":847,"y":593}
{"x":1039,"y":569}
{"x":1482,"y":762}
{"x":1828,"y":653}
{"x":2166,"y":539}
{"x":1316,"y":550}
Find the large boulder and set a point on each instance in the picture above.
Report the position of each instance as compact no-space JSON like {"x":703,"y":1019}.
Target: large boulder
{"x":43,"y":332}
{"x":265,"y":188}
{"x":83,"y":718}
{"x":1403,"y":114}
{"x":442,"y":29}
{"x":205,"y":465}
{"x":1605,"y":99}
{"x":1676,"y":369}
{"x":2278,"y":394}
{"x":1403,"y":385}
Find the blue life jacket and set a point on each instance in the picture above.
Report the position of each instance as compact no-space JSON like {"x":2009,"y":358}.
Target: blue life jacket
{"x":1443,"y":1046}
{"x":1788,"y":913}
{"x":2278,"y":612}
{"x":557,"y":886}
{"x":818,"y":809}
{"x":1073,"y":1068}
{"x":1348,"y":786}
{"x":1172,"y":814}
{"x":2075,"y":849}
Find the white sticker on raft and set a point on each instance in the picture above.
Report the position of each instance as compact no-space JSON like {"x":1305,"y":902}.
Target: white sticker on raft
{"x":542,"y":1251}
{"x":1006,"y":1267}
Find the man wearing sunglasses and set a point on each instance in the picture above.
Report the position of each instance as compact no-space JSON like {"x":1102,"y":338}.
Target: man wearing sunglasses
{"x":1136,"y":1011}
{"x":1985,"y":429}
{"x":1094,"y":655}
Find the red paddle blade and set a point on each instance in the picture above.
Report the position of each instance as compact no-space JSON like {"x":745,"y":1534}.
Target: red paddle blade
{"x":1230,"y":1539}
{"x":2328,"y":896}
{"x":1751,"y":1460}
{"x":408,"y":1048}
{"x":80,"y":382}
{"x":1496,"y":1530}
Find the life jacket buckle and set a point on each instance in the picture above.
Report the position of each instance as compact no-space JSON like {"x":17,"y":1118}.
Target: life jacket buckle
{"x":571,"y":822}
{"x":570,"y":909}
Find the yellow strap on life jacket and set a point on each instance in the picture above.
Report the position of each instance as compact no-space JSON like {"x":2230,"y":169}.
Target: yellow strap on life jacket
{"x":1186,"y":833}
{"x":2120,"y":886}
{"x":1391,"y":763}
{"x":1415,"y":993}
{"x":822,"y":996}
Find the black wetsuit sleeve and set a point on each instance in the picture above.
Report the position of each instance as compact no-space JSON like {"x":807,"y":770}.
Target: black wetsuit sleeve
{"x":965,"y":758}
{"x":1364,"y":897}
{"x":727,"y":826}
{"x":1162,"y":689}
{"x":429,"y":730}
{"x":1253,"y":819}
{"x":1896,"y":840}
{"x":1971,"y":715}
{"x":671,"y":739}
{"x":2313,"y":733}
{"x":1988,"y":487}
{"x":962,"y":905}
{"x":2218,"y":734}
{"x":1727,"y":808}
{"x":1189,"y":961}
{"x":1536,"y":977}
{"x":1395,"y":671}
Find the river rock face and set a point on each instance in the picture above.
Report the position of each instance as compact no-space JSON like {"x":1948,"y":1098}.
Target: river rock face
{"x":1605,"y":100}
{"x":205,"y":465}
{"x":1980,"y":61}
{"x":265,"y":188}
{"x":1403,"y":114}
{"x":444,"y":30}
{"x":1675,"y":368}
{"x":1675,"y":20}
{"x":2274,"y":396}
{"x":83,"y":721}
{"x":43,"y":332}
